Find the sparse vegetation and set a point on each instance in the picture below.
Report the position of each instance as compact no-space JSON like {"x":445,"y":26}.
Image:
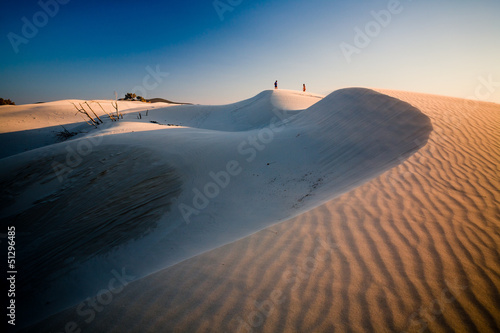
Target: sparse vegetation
{"x":134,"y":97}
{"x":115,"y":106}
{"x":6,"y":102}
{"x":130,"y":96}
{"x":155,"y":122}
{"x":65,"y":134}
{"x":97,"y":120}
{"x":82,"y":112}
{"x":95,"y":114}
{"x":113,"y":118}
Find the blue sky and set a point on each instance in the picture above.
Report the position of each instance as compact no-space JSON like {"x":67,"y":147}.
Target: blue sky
{"x":89,"y":49}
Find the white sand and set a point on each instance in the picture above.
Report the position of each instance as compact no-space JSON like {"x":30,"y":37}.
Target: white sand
{"x":422,"y":235}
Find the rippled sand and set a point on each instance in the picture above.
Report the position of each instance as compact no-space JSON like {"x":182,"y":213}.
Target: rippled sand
{"x":415,"y":248}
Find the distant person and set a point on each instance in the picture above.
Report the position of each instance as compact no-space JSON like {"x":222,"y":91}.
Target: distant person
{"x":304,"y":87}
{"x":276,"y":84}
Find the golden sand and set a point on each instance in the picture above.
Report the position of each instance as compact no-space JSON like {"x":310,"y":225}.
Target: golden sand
{"x":415,"y":248}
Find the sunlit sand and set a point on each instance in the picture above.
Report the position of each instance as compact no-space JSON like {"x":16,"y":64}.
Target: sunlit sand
{"x":290,"y":211}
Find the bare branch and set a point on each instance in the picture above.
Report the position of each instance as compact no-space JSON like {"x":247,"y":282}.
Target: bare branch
{"x":82,"y":110}
{"x":109,"y":115}
{"x":95,"y":114}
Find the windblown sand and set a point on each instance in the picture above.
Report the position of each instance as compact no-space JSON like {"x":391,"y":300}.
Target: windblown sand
{"x":416,"y":248}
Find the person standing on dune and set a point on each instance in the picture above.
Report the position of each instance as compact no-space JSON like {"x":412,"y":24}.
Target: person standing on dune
{"x":276,"y":84}
{"x":304,"y":87}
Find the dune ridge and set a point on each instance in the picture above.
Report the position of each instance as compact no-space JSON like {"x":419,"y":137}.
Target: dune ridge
{"x":144,"y":196}
{"x":414,"y":249}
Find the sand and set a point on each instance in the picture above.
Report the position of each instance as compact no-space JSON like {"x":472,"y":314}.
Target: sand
{"x":414,"y":248}
{"x":139,"y":196}
{"x":30,"y":126}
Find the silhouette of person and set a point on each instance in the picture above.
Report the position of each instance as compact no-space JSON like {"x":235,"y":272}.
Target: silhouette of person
{"x":304,"y":87}
{"x":276,"y":84}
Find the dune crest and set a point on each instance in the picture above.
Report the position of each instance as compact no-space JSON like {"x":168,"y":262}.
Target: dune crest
{"x":414,"y":249}
{"x":144,"y":197}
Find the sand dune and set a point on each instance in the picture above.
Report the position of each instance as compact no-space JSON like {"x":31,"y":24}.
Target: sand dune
{"x":143,"y":196}
{"x":415,"y":248}
{"x":31,"y":126}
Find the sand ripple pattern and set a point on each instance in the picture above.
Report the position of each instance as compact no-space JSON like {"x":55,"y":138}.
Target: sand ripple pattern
{"x":415,"y":249}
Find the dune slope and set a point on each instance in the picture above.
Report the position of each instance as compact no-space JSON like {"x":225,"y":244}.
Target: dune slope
{"x":141,"y":197}
{"x":414,"y":249}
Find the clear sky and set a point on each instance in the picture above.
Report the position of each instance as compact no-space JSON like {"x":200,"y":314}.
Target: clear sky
{"x":223,"y":51}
